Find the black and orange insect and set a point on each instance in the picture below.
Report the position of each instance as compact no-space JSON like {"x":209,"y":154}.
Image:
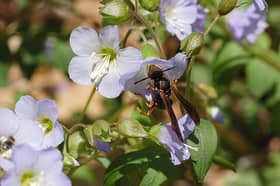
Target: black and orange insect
{"x":161,"y":88}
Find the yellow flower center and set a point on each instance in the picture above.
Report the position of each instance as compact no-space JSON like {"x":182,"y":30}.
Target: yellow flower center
{"x":46,"y":124}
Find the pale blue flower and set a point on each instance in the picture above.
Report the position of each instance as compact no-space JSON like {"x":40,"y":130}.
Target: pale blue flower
{"x":102,"y":145}
{"x":248,"y":23}
{"x":177,"y":66}
{"x":179,"y":150}
{"x":44,"y":113}
{"x":38,"y":168}
{"x":181,"y":17}
{"x":216,"y":114}
{"x":260,"y":5}
{"x":6,"y":164}
{"x":14,"y":131}
{"x":99,"y":60}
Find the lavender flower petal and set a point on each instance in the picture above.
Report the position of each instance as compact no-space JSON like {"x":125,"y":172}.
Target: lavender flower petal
{"x":178,"y":150}
{"x":84,"y":41}
{"x":80,"y":69}
{"x":8,"y":122}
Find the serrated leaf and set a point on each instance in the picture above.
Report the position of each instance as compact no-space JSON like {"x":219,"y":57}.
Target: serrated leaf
{"x":153,"y":178}
{"x":205,"y":140}
{"x":131,"y":128}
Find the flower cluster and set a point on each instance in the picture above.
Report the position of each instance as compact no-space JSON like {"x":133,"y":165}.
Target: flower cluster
{"x":27,"y":137}
{"x":112,"y":69}
{"x":248,"y":23}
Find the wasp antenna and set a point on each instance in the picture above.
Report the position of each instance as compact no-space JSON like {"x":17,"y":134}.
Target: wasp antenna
{"x":140,"y":80}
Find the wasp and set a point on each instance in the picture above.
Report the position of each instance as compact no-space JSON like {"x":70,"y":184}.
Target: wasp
{"x":162,"y":89}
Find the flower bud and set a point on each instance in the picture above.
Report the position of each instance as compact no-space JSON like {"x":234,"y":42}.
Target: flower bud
{"x":76,"y":144}
{"x":149,"y":5}
{"x":99,"y":129}
{"x":216,"y":114}
{"x":192,"y":44}
{"x":114,"y":12}
{"x":226,"y":6}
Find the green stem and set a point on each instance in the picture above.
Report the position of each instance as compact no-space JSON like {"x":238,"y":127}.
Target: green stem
{"x":123,"y":42}
{"x":216,"y":19}
{"x":87,"y":103}
{"x":188,"y":78}
{"x":141,"y":19}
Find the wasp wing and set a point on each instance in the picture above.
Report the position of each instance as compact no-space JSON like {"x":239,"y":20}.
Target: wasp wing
{"x":187,"y":105}
{"x":174,"y":121}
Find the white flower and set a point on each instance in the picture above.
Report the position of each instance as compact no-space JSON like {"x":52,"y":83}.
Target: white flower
{"x":182,"y":17}
{"x":35,"y":168}
{"x":99,"y":60}
{"x":15,"y":131}
{"x":43,"y":113}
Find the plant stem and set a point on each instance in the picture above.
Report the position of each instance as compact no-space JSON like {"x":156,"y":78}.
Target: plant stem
{"x":87,"y":103}
{"x":141,"y":19}
{"x":216,"y":19}
{"x":123,"y":42}
{"x":188,"y":78}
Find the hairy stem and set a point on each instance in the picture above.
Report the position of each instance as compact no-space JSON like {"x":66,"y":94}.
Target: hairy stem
{"x":216,"y":19}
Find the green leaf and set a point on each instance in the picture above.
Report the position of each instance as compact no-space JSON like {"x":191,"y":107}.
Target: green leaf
{"x":201,"y":74}
{"x":86,"y":174}
{"x":4,"y":70}
{"x":131,"y":128}
{"x":260,"y":77}
{"x":244,"y":178}
{"x":153,"y":178}
{"x":130,"y":169}
{"x":227,"y":63}
{"x":224,"y":162}
{"x":205,"y":140}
